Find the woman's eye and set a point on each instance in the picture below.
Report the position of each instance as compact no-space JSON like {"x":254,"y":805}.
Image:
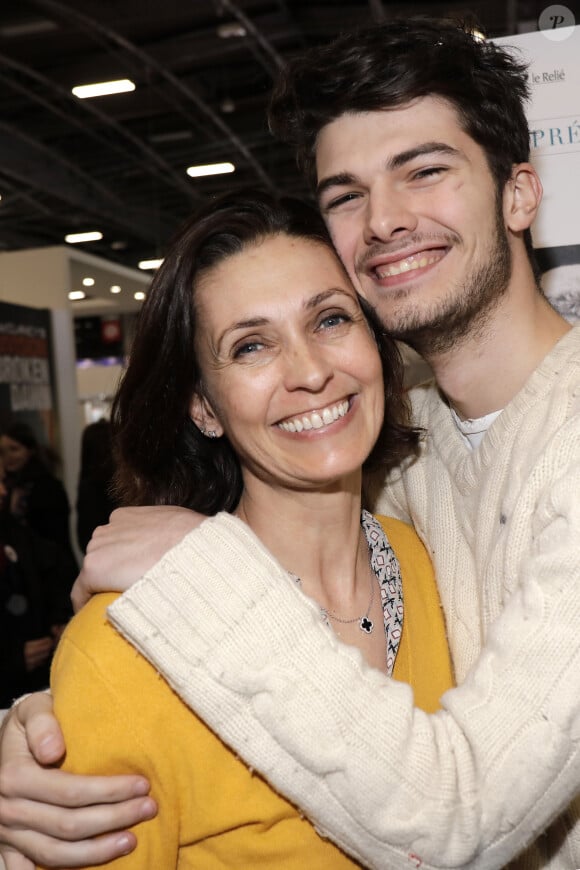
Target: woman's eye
{"x":329,"y":321}
{"x":247,"y":348}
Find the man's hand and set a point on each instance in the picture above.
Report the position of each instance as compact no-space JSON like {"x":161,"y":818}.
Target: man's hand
{"x":55,"y":818}
{"x":135,"y":539}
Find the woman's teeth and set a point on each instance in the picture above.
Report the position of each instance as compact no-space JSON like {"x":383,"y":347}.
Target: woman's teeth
{"x":315,"y":420}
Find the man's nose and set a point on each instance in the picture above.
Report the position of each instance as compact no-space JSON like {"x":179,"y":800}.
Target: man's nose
{"x":389,"y":213}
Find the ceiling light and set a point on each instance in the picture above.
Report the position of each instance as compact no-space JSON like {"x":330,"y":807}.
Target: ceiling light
{"x":231,"y":29}
{"x":77,"y":294}
{"x":75,"y":238}
{"x":102,"y":89}
{"x":149,"y":264}
{"x":114,"y":288}
{"x":88,"y":282}
{"x":139,"y":295}
{"x":210,"y":169}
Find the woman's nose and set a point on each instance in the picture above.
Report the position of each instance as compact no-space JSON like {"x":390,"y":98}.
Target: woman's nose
{"x":308,"y":367}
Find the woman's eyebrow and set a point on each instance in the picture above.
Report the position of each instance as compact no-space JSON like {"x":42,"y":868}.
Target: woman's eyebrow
{"x":252,"y":322}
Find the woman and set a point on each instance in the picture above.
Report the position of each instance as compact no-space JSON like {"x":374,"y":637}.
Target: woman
{"x":34,"y":604}
{"x":37,"y":498}
{"x":256,"y":386}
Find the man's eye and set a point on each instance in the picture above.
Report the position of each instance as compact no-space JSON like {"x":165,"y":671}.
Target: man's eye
{"x":340,"y":200}
{"x":430,"y":172}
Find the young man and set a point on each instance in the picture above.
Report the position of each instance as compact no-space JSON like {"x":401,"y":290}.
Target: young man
{"x":416,"y":138}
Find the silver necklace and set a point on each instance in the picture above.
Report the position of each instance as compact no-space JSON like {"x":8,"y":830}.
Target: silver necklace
{"x":364,"y":622}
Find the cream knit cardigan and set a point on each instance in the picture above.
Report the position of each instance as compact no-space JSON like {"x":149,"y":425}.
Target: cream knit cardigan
{"x":473,"y":784}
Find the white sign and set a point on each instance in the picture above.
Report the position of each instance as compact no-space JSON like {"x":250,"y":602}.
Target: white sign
{"x":554,"y":120}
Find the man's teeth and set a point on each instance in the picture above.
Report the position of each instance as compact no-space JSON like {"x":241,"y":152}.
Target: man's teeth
{"x":390,"y":270}
{"x":315,"y":420}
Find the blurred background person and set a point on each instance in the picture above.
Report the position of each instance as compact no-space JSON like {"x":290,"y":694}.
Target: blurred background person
{"x":36,"y":497}
{"x":35,"y":584}
{"x":95,"y":500}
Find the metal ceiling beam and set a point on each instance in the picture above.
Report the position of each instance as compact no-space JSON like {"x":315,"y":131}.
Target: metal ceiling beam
{"x":148,"y":159}
{"x":250,"y":27}
{"x":13,"y":239}
{"x":14,"y":196}
{"x":44,"y":170}
{"x":95,"y":29}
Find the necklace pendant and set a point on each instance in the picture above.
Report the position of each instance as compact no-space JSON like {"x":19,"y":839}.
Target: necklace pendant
{"x":366,"y":625}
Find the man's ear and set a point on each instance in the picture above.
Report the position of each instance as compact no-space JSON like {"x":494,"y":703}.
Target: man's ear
{"x":521,"y":197}
{"x":204,"y":417}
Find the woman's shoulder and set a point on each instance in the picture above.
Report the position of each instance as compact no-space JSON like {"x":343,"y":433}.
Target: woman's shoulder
{"x":90,"y":628}
{"x":92,"y":649}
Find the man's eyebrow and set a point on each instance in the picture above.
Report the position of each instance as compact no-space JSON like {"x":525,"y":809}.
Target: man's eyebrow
{"x":343,"y":179}
{"x":403,"y":157}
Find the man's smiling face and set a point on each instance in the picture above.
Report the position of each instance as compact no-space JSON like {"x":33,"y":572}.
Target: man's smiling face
{"x":414,"y":213}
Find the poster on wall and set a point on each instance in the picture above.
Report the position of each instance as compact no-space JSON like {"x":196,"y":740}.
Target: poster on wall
{"x":26,"y":383}
{"x":553,"y":55}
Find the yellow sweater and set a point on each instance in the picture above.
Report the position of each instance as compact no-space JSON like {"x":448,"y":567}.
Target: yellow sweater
{"x":120,"y":716}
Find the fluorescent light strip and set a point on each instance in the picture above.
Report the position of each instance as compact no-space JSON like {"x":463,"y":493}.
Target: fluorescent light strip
{"x":149,"y":264}
{"x":75,"y":238}
{"x":103,"y":89}
{"x":210,"y":169}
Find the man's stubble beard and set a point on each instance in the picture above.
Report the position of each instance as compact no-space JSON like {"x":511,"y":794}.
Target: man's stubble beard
{"x":466,"y":310}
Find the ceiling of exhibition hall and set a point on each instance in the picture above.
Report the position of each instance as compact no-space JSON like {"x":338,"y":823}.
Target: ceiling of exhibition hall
{"x":202,"y":70}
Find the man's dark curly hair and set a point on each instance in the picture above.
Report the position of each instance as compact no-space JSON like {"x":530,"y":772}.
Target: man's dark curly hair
{"x":389,"y":65}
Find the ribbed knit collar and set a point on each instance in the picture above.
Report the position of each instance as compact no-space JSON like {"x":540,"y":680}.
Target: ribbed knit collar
{"x":466,"y":465}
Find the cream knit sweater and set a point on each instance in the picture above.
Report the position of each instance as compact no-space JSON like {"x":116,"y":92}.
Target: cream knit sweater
{"x":473,"y":784}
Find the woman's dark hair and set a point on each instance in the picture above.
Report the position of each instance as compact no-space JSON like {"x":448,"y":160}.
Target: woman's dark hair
{"x":162,"y":457}
{"x":23,"y":434}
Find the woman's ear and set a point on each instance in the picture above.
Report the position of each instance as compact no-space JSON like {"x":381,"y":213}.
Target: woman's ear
{"x":203,"y":415}
{"x":522,"y":197}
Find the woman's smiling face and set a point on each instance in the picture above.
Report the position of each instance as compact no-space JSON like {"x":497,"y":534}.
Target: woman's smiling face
{"x":291,"y":372}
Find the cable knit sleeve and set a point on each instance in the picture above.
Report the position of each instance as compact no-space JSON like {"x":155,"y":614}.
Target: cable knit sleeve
{"x":468,"y":786}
